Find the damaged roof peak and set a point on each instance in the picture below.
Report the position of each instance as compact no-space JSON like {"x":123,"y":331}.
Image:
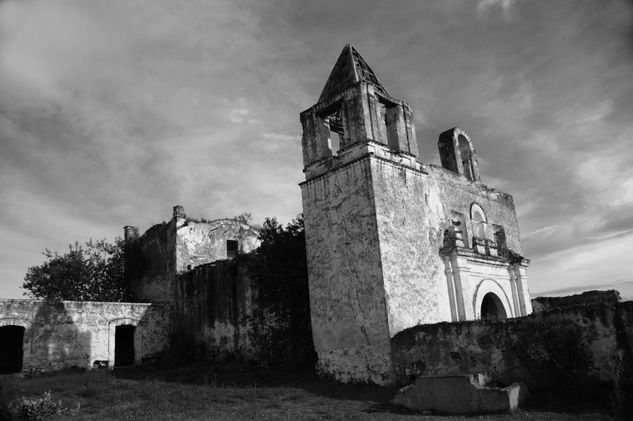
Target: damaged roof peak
{"x":350,"y":68}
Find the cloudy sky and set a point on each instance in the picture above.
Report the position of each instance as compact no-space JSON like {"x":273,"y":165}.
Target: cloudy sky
{"x":111,"y":112}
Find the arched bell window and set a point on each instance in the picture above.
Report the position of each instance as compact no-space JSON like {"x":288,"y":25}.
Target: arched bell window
{"x":466,"y":157}
{"x":478,"y":220}
{"x":458,"y":154}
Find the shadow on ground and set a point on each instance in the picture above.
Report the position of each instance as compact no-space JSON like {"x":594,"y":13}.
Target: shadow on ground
{"x":239,"y":376}
{"x":235,"y":375}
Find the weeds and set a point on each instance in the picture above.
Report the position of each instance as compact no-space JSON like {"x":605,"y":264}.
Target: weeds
{"x":37,"y":409}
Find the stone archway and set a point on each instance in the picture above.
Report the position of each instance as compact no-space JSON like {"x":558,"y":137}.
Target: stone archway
{"x":490,"y":299}
{"x":492,"y":308}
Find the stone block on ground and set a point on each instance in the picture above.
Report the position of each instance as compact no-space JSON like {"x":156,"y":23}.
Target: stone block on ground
{"x":459,"y":394}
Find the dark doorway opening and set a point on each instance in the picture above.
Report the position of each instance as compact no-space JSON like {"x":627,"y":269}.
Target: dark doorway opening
{"x":124,"y":345}
{"x":11,"y":349}
{"x":492,"y":308}
{"x":232,"y":247}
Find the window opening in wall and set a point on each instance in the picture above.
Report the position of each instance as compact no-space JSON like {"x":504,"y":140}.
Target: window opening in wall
{"x":478,"y":222}
{"x":492,"y":308}
{"x":124,"y":345}
{"x":232,"y":247}
{"x":500,"y":239}
{"x":478,"y":219}
{"x":458,"y":222}
{"x":388,"y":119}
{"x":334,"y":120}
{"x":11,"y":349}
{"x":466,"y":157}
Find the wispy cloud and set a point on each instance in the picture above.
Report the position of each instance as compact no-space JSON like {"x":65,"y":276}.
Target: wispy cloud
{"x":242,"y":115}
{"x":503,"y":8}
{"x":540,"y":231}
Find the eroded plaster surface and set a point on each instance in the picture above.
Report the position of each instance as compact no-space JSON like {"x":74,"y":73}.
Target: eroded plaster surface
{"x":585,"y":348}
{"x":392,"y":242}
{"x":77,"y":333}
{"x":347,"y":301}
{"x":211,"y":303}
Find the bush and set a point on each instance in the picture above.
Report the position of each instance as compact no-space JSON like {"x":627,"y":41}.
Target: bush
{"x":38,"y":409}
{"x":98,"y":271}
{"x":281,"y":331}
{"x":6,"y":393}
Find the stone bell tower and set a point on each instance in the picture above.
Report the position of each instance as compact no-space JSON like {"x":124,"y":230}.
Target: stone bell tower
{"x":392,"y":242}
{"x":355,"y":128}
{"x":355,"y":116}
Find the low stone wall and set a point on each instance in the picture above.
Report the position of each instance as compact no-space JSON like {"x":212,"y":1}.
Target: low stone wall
{"x":582,"y":352}
{"x":540,"y":304}
{"x":76,"y":334}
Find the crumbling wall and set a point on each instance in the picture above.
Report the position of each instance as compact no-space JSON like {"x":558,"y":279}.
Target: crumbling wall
{"x":180,"y":245}
{"x":458,"y":194}
{"x":210,"y":304}
{"x":77,"y":334}
{"x":586,"y":298}
{"x":199,"y":242}
{"x":583,"y":352}
{"x":158,"y":250}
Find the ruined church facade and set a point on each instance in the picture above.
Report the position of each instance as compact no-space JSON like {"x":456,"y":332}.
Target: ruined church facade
{"x":393,"y":242}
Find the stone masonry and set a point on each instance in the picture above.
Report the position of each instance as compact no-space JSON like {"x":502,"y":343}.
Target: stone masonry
{"x":182,"y":244}
{"x":80,"y":334}
{"x":392,"y":242}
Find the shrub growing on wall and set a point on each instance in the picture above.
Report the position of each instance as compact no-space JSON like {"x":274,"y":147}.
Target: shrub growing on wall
{"x":280,"y":318}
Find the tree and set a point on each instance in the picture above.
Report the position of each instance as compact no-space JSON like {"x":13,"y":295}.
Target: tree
{"x":281,"y":316}
{"x":94,"y":272}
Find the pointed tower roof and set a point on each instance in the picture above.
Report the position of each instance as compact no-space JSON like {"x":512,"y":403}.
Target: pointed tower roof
{"x":350,"y":68}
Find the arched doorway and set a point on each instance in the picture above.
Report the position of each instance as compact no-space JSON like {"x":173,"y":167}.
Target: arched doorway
{"x":11,"y":349}
{"x":492,"y":308}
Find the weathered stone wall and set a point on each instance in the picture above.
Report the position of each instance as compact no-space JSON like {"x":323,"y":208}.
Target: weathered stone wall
{"x":210,"y":303}
{"x":390,"y":241}
{"x":182,"y":244}
{"x":347,"y":299}
{"x":70,"y":334}
{"x":400,"y":214}
{"x":458,"y":194}
{"x":584,"y":351}
{"x":586,"y":298}
{"x":158,"y":248}
{"x":198,"y":243}
{"x":411,"y":220}
{"x":413,"y":208}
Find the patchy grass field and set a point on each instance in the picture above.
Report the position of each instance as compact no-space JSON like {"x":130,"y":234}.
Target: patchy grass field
{"x":216,"y":393}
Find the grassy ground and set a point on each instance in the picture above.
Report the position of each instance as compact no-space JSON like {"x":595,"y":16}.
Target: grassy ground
{"x":216,"y":393}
